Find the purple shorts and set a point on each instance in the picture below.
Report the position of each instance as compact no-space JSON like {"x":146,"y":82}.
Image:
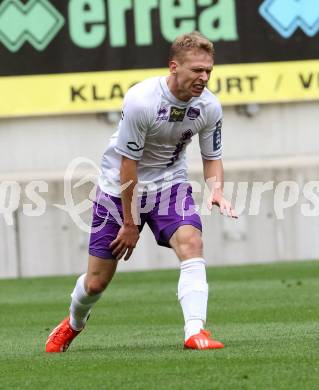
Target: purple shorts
{"x":164,"y":212}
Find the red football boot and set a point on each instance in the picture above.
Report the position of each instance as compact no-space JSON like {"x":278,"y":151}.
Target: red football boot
{"x":202,"y":340}
{"x":61,"y":337}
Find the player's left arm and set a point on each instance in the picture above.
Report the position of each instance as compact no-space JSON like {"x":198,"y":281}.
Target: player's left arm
{"x":214,"y":179}
{"x":210,"y":141}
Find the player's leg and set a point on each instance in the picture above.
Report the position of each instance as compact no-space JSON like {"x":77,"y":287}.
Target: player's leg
{"x":101,"y":264}
{"x":101,"y":268}
{"x":176,"y":224}
{"x":89,"y":288}
{"x":87,"y":291}
{"x":187,"y":242}
{"x":192,"y":286}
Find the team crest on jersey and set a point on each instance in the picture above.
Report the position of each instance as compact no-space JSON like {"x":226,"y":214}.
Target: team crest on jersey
{"x":162,"y":114}
{"x":193,"y":113}
{"x":177,"y":114}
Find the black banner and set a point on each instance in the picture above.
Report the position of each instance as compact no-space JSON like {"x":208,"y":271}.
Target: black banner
{"x":68,"y":36}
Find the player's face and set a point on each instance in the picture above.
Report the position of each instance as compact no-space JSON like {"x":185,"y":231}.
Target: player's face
{"x":191,"y":74}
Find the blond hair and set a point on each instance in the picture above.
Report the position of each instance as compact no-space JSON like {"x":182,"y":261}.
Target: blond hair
{"x":191,"y":41}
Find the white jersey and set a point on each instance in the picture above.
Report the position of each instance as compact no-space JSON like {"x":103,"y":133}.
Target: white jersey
{"x":155,"y":129}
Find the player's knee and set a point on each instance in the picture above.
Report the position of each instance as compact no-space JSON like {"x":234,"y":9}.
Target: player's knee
{"x":95,"y":286}
{"x":195,"y":243}
{"x":191,"y":245}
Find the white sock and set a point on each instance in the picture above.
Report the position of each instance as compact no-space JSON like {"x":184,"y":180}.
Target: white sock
{"x":81,"y":304}
{"x":193,"y":295}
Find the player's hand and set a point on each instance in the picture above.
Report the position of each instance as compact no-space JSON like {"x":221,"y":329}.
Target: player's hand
{"x":217,"y":199}
{"x":125,"y":242}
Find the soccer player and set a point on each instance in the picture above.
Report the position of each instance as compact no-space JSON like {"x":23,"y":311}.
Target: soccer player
{"x":159,"y":118}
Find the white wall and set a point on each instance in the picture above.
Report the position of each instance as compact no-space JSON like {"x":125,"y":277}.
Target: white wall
{"x":280,"y":142}
{"x":49,"y":143}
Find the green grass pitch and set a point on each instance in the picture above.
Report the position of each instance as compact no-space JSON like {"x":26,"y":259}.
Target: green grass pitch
{"x":267,"y":316}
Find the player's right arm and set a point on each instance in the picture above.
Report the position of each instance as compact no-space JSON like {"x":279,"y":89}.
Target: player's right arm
{"x":128,"y":235}
{"x":130,"y":145}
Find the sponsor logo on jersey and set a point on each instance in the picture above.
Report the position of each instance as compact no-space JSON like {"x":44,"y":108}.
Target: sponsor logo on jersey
{"x":217,"y":139}
{"x":134,"y":146}
{"x":177,"y":114}
{"x":162,"y":114}
{"x":193,"y":113}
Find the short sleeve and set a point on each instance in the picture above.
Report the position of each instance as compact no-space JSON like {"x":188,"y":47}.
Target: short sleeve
{"x":132,"y":128}
{"x":210,"y":137}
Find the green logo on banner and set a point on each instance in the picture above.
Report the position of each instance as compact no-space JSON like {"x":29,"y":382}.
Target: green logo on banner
{"x":36,"y":22}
